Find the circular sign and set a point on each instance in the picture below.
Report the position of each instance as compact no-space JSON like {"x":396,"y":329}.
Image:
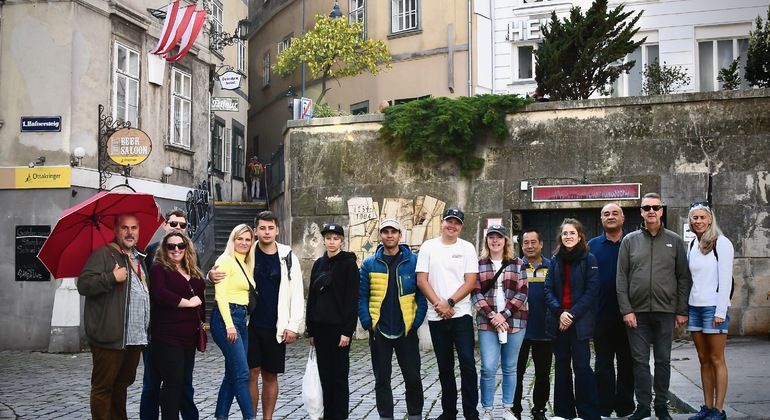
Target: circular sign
{"x":129,"y":146}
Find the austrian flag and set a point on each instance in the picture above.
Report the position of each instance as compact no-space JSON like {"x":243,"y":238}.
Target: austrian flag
{"x":181,"y":27}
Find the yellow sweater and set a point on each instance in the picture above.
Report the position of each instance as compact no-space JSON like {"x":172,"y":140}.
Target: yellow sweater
{"x":233,"y":288}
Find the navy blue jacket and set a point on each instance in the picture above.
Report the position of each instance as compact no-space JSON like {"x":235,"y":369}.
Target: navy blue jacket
{"x":606,"y":253}
{"x":584,"y":288}
{"x":536,"y":299}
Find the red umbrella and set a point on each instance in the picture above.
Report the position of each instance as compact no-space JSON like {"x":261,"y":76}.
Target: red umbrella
{"x":90,"y":225}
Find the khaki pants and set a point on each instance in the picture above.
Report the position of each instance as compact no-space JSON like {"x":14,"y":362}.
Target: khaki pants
{"x":113,"y":372}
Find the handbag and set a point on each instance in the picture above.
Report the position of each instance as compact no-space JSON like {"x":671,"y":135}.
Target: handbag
{"x":203,"y":338}
{"x":253,"y":293}
{"x":312,"y":393}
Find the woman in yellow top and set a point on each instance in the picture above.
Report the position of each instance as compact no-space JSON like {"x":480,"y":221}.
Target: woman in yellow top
{"x":228,"y":320}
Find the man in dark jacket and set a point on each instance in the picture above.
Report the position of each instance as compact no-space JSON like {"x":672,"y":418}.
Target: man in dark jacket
{"x":610,"y":339}
{"x":391,"y":308}
{"x":535,"y":338}
{"x":116,"y":317}
{"x":653,"y":285}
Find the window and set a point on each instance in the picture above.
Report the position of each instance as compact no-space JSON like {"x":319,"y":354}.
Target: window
{"x":718,"y":54}
{"x":217,"y":144}
{"x":285,"y":43}
{"x":239,"y":152}
{"x":358,"y":14}
{"x":227,"y":163}
{"x":181,"y":107}
{"x":217,"y":12}
{"x":524,"y":62}
{"x":359,"y":108}
{"x":266,"y":69}
{"x":125,"y":102}
{"x":631,"y":84}
{"x":404,"y":15}
{"x":240,"y":58}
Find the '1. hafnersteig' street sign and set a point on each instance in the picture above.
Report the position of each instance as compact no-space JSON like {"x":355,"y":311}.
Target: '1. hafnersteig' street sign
{"x":224,"y":104}
{"x":40,"y":124}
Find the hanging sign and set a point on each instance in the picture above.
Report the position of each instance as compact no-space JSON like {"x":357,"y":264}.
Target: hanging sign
{"x":129,"y":146}
{"x":230,"y":80}
{"x":224,"y":104}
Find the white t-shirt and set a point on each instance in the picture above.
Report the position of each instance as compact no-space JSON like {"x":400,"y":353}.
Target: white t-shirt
{"x":499,"y":292}
{"x":446,"y":266}
{"x":708,"y":274}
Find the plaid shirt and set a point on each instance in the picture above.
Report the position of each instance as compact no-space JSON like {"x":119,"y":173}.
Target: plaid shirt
{"x":514,"y":279}
{"x":138,"y":305}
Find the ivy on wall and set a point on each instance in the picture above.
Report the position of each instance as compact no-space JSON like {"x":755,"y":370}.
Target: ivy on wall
{"x":442,"y":129}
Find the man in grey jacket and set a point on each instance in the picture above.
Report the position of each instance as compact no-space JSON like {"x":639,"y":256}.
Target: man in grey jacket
{"x":653,"y":284}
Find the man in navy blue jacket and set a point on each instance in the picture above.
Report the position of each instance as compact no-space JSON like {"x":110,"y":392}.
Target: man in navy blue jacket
{"x":535,"y":338}
{"x":616,"y":393}
{"x":391,"y":308}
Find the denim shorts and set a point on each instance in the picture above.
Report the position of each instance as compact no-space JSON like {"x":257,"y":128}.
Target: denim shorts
{"x":701,"y":318}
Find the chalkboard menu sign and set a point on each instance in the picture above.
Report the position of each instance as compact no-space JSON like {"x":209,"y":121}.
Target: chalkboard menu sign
{"x":29,"y":240}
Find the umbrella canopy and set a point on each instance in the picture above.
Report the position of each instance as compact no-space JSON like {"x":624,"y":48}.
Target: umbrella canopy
{"x":91,"y":224}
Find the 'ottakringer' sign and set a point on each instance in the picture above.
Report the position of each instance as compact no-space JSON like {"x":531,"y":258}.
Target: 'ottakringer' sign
{"x":129,"y":146}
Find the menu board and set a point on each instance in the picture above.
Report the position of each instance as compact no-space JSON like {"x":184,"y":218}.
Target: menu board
{"x":29,"y":240}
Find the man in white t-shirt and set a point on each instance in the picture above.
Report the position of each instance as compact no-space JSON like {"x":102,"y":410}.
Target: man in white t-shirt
{"x":447,"y":267}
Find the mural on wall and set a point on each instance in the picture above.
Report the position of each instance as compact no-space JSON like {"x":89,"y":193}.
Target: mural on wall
{"x":420,"y":217}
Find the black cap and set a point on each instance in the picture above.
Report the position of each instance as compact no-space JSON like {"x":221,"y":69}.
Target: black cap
{"x":332,"y":228}
{"x":454,"y":212}
{"x":499,"y":229}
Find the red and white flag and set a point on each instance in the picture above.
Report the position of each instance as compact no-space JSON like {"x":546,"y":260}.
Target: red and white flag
{"x":181,"y":27}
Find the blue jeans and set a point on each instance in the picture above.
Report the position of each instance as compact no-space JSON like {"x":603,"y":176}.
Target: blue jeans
{"x":491,"y":350}
{"x":456,"y":334}
{"x":150,"y":400}
{"x":236,"y":380}
{"x":568,"y":350}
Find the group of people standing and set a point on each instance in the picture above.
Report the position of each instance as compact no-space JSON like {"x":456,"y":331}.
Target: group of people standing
{"x":626,"y":291}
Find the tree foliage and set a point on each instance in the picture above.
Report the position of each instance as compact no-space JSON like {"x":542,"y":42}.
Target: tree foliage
{"x":758,"y":55}
{"x":662,"y":79}
{"x":443,"y":129}
{"x":584,"y":53}
{"x":333,"y":49}
{"x":729,"y":77}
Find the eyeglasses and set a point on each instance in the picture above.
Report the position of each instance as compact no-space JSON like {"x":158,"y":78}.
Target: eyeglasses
{"x":700,"y":204}
{"x":655,"y":207}
{"x":174,"y":224}
{"x":180,"y":246}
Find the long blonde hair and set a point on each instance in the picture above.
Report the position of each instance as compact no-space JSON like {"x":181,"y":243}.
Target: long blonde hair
{"x":507,"y":249}
{"x":230,"y":249}
{"x":708,"y":240}
{"x":190,"y":261}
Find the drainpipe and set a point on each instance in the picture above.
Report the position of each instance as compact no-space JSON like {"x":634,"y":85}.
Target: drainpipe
{"x":470,"y":49}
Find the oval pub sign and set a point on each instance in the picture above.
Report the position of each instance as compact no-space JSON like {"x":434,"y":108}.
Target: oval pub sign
{"x":129,"y":146}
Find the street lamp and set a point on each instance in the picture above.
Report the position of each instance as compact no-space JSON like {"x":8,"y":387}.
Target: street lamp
{"x":219,"y":40}
{"x":336,"y":13}
{"x":77,"y":156}
{"x":167,"y":172}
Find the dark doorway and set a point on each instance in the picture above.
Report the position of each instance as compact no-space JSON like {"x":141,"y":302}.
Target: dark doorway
{"x":548,"y":222}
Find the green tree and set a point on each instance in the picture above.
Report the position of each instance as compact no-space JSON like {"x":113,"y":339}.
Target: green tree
{"x":758,"y":55}
{"x":729,"y":77}
{"x":584,"y":53}
{"x":333,"y":49}
{"x":662,"y":79}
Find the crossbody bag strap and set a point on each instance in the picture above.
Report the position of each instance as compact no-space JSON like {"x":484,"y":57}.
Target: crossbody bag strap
{"x":245,"y":275}
{"x":497,"y":274}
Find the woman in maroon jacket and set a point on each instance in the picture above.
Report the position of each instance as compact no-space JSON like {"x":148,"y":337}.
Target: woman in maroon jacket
{"x":178,"y":304}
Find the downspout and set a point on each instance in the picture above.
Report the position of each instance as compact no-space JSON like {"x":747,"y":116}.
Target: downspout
{"x":470,"y":49}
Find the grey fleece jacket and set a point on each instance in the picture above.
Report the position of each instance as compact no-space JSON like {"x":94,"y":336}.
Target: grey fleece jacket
{"x":653,"y":274}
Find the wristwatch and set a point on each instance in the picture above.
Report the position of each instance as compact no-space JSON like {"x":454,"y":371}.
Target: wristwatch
{"x":451,"y":302}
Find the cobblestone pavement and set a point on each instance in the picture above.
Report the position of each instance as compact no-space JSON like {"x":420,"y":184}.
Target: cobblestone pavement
{"x":42,"y":386}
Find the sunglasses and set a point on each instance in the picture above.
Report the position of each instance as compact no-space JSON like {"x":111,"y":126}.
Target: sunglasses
{"x":700,"y":204}
{"x":182,"y":225}
{"x":181,"y":246}
{"x":648,"y":207}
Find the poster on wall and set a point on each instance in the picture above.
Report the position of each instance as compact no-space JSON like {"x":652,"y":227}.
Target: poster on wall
{"x":29,"y":240}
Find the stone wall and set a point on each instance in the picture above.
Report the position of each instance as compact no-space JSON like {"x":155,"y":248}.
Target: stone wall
{"x":667,"y":144}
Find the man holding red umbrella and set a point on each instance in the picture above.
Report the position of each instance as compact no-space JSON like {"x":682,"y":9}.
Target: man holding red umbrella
{"x":116,"y":316}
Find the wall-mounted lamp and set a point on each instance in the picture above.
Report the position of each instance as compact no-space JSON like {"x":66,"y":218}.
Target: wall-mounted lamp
{"x":76,"y":159}
{"x":39,"y":162}
{"x":167,"y":172}
{"x":336,"y":13}
{"x":219,"y":40}
{"x":290,"y":95}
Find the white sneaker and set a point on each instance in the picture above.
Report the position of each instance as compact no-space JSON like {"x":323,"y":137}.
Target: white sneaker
{"x":508,"y":414}
{"x":488,"y":414}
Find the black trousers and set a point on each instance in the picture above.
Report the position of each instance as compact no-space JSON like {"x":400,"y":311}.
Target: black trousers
{"x":448,"y":336}
{"x":334,"y":370}
{"x":171,"y":363}
{"x":408,"y":355}
{"x":542,"y":357}
{"x":616,"y":391}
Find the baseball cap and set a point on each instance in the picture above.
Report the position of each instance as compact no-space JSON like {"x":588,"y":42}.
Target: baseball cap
{"x":454,"y":212}
{"x":391,"y":223}
{"x":332,"y":228}
{"x":499,"y":229}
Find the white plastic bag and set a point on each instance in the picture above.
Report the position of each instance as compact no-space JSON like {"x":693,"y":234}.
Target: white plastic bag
{"x":312,"y":394}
